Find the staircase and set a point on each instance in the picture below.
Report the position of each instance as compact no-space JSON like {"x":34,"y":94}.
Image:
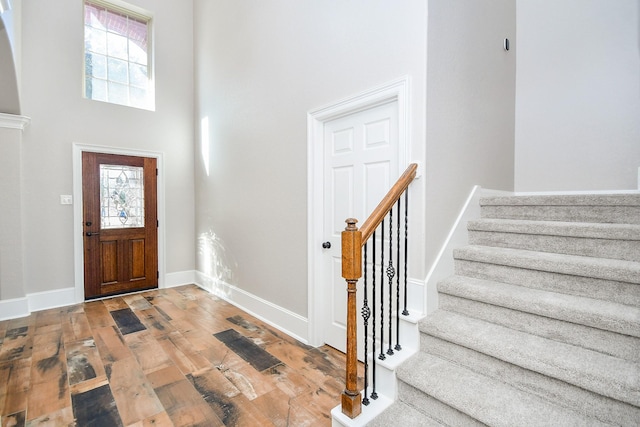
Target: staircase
{"x":539,"y":326}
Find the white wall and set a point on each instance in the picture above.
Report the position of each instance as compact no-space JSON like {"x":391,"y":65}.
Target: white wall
{"x":470,"y":107}
{"x":52,"y":61}
{"x":578,"y":95}
{"x":260,"y":68}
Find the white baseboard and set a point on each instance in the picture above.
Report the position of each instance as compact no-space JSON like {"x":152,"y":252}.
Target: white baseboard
{"x":280,"y":318}
{"x":14,"y":308}
{"x":51,"y":299}
{"x":37,"y":301}
{"x":179,"y":278}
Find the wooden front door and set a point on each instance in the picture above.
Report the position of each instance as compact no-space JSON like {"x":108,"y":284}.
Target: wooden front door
{"x":120,"y":224}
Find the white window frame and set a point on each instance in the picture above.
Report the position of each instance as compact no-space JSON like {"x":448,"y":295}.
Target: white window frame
{"x":138,"y":14}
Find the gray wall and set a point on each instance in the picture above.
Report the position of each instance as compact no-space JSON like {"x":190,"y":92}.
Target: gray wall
{"x":578,"y":95}
{"x":260,"y":68}
{"x":52,"y":61}
{"x":470,"y":107}
{"x":11,"y":245}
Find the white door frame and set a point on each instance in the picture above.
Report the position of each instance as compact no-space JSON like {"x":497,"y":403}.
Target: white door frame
{"x":78,"y":242}
{"x":397,"y":90}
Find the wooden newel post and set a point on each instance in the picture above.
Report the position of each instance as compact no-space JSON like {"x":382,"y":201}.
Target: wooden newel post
{"x":351,"y":271}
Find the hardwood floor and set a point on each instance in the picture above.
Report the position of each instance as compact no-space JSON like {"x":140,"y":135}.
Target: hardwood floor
{"x":170,"y":357}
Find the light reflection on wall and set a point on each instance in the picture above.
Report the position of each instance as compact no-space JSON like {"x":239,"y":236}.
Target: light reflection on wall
{"x":215,"y":262}
{"x":204,"y":143}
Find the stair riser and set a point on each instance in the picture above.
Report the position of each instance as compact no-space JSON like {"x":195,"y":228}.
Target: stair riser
{"x":434,"y":408}
{"x":607,"y":290}
{"x":615,"y":378}
{"x":603,"y":248}
{"x":606,"y":342}
{"x":557,"y":392}
{"x":601,"y":315}
{"x":570,"y":265}
{"x":597,"y":214}
{"x":487,"y":399}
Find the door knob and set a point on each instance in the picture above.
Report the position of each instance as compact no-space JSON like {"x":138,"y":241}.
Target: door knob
{"x":89,"y":234}
{"x":88,"y":223}
{"x":326,"y":245}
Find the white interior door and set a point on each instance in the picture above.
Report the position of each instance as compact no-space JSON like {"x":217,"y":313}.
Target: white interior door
{"x":360,"y":165}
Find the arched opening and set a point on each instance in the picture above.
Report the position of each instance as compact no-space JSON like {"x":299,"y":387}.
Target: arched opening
{"x":10,"y":100}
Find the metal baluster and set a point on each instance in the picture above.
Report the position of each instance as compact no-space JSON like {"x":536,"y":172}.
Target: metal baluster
{"x":391,"y":272}
{"x":374,"y":395}
{"x":398,"y":346}
{"x":405,"y":312}
{"x":366,"y":312}
{"x":381,"y":356}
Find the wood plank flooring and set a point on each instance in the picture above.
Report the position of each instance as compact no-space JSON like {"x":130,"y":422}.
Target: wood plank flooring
{"x":169,"y":357}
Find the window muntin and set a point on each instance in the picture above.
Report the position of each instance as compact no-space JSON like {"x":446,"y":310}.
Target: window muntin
{"x":117,"y":55}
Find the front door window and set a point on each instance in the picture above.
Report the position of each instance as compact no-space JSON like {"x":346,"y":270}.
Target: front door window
{"x":121,"y":196}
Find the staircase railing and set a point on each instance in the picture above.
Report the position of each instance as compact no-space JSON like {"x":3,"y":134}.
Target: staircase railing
{"x":354,"y":240}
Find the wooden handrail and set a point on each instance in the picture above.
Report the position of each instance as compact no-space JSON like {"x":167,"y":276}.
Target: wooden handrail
{"x":352,"y":242}
{"x":387,"y":202}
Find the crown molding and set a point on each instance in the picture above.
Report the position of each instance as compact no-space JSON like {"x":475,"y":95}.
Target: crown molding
{"x":14,"y":121}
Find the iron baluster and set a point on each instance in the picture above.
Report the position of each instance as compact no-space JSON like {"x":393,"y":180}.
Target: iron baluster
{"x":366,"y":312}
{"x":381,"y":356}
{"x":390,"y":274}
{"x":405,"y":312}
{"x":398,"y":346}
{"x":374,"y":395}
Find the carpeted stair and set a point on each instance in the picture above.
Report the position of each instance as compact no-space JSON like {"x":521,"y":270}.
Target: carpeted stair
{"x":539,"y":326}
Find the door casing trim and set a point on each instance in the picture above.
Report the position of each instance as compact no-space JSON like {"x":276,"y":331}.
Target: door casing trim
{"x":397,"y":90}
{"x":78,"y":248}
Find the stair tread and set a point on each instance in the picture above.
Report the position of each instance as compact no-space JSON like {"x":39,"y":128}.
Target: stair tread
{"x":628,"y":199}
{"x":558,"y":228}
{"x":601,"y":268}
{"x":600,"y":373}
{"x":486,"y":399}
{"x":611,"y":316}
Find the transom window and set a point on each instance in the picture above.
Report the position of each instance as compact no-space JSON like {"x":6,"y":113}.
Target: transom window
{"x":117,"y":55}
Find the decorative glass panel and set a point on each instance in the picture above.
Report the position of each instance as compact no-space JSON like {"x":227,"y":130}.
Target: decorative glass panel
{"x":121,"y":196}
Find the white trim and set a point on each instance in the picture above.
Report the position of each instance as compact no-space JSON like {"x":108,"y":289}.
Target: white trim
{"x":415,"y":298}
{"x":21,"y":307}
{"x":397,"y":90}
{"x":14,"y":308}
{"x":577,"y":193}
{"x":458,"y":236}
{"x":51,"y":299}
{"x":14,"y":121}
{"x":280,"y":318}
{"x":78,"y":253}
{"x":179,"y":278}
{"x":375,"y":408}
